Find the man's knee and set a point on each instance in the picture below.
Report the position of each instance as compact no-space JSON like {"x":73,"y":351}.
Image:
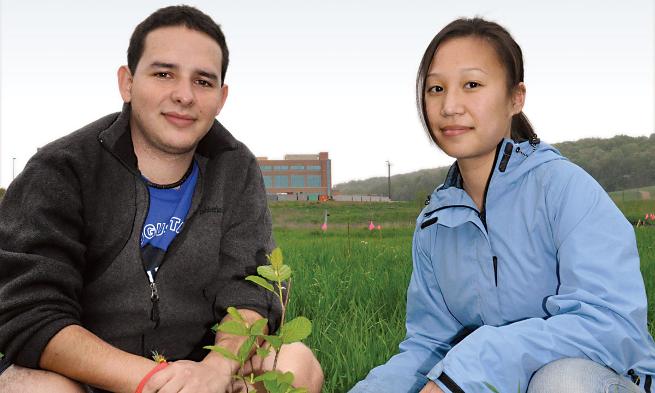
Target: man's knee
{"x":17,"y":379}
{"x":299,"y":359}
{"x":304,"y":359}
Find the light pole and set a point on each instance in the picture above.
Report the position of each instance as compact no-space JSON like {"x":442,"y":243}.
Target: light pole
{"x":389,"y":179}
{"x":13,"y":168}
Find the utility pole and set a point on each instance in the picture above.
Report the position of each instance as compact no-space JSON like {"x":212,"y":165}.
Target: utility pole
{"x":13,"y":168}
{"x":389,"y":179}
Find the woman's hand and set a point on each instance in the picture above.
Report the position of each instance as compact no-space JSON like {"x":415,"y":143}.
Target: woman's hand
{"x":431,"y":387}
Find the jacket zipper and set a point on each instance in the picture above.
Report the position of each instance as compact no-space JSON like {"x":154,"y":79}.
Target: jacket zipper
{"x":154,"y":298}
{"x":495,"y":260}
{"x":483,"y":212}
{"x":154,"y":292}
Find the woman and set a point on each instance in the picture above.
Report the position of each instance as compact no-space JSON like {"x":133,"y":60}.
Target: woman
{"x":526,"y":275}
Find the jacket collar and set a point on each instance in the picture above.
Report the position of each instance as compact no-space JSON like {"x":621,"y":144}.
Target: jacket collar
{"x":511,"y":162}
{"x":117,"y":139}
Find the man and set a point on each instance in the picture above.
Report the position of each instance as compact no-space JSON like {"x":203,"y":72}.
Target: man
{"x":133,"y":234}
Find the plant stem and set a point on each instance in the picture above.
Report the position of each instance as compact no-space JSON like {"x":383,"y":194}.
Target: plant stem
{"x":286,"y":301}
{"x":241,"y":377}
{"x":283,"y":302}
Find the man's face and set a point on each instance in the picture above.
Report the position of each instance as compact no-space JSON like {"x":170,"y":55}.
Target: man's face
{"x":175,"y":91}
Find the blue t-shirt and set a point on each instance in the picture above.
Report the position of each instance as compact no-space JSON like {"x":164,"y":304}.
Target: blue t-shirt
{"x":168,"y":209}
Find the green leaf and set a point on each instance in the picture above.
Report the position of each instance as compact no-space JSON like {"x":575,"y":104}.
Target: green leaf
{"x":215,"y":328}
{"x":234,"y":313}
{"x":273,"y":386}
{"x":275,"y":341}
{"x":299,"y":390}
{"x":267,"y":376}
{"x":261,"y":282}
{"x":276,"y":258}
{"x":286,"y":378}
{"x":296,"y":330}
{"x":267,"y":272}
{"x":263,"y":352}
{"x":284,"y":272}
{"x":491,"y":387}
{"x":257,"y":328}
{"x":234,"y":327}
{"x":223,"y":351}
{"x":246,"y":348}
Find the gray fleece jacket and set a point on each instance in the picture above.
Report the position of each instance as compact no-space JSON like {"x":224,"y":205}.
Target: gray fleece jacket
{"x":70,"y":227}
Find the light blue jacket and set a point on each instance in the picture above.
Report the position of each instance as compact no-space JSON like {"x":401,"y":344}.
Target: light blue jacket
{"x":550,"y":270}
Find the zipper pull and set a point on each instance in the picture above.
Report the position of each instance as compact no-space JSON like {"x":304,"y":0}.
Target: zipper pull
{"x":429,"y":222}
{"x":506,"y":155}
{"x":154,"y":298}
{"x":495,"y":260}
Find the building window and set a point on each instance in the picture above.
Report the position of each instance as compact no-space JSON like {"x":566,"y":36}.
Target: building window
{"x":265,"y":167}
{"x":313,"y":167}
{"x":281,"y":167}
{"x":297,"y":181}
{"x":313,"y":181}
{"x":297,"y":167}
{"x":268,"y":181}
{"x":281,"y":181}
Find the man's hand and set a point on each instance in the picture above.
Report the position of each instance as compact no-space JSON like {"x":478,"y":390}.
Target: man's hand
{"x":186,"y":376}
{"x":431,"y":387}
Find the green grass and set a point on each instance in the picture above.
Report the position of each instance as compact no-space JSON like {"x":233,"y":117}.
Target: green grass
{"x":636,"y":209}
{"x":354,"y":295}
{"x":634,"y":194}
{"x":354,"y":292}
{"x":646,"y":245}
{"x":311,"y":214}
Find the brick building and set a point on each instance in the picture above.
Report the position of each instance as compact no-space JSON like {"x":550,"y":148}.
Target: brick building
{"x":306,"y":174}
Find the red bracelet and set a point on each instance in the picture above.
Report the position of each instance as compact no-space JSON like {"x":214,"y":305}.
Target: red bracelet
{"x":152,"y":372}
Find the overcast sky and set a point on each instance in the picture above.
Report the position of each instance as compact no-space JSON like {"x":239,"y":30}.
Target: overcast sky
{"x":337,"y":76}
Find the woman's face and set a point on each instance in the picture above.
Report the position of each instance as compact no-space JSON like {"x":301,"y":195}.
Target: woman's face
{"x":468,"y":107}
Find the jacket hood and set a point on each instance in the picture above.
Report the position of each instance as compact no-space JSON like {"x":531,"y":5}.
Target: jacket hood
{"x":513,"y":160}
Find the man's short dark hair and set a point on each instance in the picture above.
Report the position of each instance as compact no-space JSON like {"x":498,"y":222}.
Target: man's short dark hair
{"x":178,"y":15}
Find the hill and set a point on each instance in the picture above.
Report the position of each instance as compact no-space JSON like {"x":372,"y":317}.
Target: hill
{"x":412,"y":186}
{"x":617,"y":163}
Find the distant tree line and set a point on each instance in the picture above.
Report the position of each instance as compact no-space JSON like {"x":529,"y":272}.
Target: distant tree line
{"x":617,"y":163}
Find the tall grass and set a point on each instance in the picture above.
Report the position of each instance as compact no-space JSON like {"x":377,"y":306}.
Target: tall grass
{"x":646,"y":245}
{"x":355,"y":296}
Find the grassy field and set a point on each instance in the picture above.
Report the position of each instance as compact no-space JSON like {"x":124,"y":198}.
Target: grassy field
{"x":635,"y":194}
{"x":353,"y":286}
{"x":635,"y":210}
{"x":310,"y":215}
